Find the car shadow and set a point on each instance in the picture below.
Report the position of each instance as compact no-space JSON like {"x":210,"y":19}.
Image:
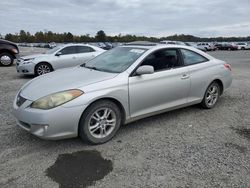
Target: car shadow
{"x":28,"y":77}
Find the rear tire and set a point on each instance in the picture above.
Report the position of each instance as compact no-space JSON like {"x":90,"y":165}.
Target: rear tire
{"x":43,"y":68}
{"x":6,"y":59}
{"x":211,"y":96}
{"x":100,"y":122}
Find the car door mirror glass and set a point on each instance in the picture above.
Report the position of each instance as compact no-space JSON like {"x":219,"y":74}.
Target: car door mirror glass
{"x":145,"y":69}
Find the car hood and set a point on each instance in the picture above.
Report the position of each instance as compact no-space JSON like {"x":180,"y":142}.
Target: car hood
{"x":7,"y":42}
{"x":34,"y":56}
{"x":61,"y":80}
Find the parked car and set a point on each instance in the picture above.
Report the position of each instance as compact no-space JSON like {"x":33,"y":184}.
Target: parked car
{"x":52,"y":45}
{"x":8,"y":52}
{"x":243,"y":46}
{"x":108,"y":46}
{"x":122,"y":85}
{"x":59,"y":57}
{"x":207,"y":46}
{"x":202,"y":48}
{"x":226,"y":46}
{"x":101,"y":45}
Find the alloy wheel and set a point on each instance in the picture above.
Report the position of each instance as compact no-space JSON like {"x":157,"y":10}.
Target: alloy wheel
{"x":212,"y":95}
{"x":43,"y":69}
{"x":102,"y":122}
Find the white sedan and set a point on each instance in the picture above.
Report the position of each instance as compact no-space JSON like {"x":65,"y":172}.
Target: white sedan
{"x":243,"y":46}
{"x":59,"y":57}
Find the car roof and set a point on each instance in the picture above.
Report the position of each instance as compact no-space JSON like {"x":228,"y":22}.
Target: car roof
{"x":162,"y":46}
{"x":79,"y":44}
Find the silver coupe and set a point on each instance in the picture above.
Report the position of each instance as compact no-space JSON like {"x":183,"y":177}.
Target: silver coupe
{"x":119,"y":86}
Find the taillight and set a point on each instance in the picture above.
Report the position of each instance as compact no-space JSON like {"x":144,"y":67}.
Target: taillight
{"x":228,"y":66}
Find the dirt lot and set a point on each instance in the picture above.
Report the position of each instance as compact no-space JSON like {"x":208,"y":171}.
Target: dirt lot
{"x":190,"y":147}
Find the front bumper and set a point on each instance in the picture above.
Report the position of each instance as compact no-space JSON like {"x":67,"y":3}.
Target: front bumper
{"x":57,"y":123}
{"x":27,"y":69}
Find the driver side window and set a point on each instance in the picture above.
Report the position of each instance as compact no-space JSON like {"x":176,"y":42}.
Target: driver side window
{"x":163,"y":59}
{"x":68,"y":50}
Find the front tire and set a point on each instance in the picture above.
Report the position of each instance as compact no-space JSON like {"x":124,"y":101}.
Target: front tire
{"x":211,"y":96}
{"x":43,"y":68}
{"x":6,"y":59}
{"x":100,"y":122}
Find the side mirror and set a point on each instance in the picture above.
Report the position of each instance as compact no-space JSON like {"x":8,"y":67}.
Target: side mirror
{"x":58,"y":53}
{"x":145,"y":69}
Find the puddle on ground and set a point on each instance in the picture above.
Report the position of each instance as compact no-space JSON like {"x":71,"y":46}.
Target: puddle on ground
{"x":79,"y":169}
{"x":243,"y":132}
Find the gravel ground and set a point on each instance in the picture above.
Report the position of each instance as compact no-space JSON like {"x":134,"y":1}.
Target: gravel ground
{"x":190,"y":147}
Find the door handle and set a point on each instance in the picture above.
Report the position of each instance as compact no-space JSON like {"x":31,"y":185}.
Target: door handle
{"x":184,"y":76}
{"x":74,"y":57}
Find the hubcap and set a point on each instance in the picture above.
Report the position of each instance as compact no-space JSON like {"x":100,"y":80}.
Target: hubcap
{"x":5,"y":60}
{"x":43,"y":69}
{"x":212,"y":95}
{"x":102,"y":123}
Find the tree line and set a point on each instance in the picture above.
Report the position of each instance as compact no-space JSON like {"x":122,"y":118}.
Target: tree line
{"x":49,"y":36}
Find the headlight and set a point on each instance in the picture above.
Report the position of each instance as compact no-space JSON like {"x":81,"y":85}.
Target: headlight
{"x":27,"y":61}
{"x":15,"y":50}
{"x":56,"y":99}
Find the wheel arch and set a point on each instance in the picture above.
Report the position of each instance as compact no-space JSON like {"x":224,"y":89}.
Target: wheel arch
{"x":114,"y":100}
{"x":220,"y":84}
{"x":43,"y":62}
{"x":8,"y":51}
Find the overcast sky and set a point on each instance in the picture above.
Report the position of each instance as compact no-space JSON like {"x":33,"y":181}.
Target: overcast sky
{"x":204,"y":18}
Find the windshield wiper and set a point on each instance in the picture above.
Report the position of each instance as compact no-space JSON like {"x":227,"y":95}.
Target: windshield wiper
{"x":93,"y":68}
{"x":98,"y":69}
{"x":84,"y":65}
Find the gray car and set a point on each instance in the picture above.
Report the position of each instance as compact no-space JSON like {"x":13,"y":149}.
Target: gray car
{"x":62,"y":56}
{"x":119,"y":86}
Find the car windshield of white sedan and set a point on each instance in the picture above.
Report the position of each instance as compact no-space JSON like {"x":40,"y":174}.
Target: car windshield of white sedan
{"x":116,"y":60}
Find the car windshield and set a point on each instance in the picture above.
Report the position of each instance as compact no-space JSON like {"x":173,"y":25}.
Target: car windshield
{"x":53,"y":50}
{"x":116,"y":60}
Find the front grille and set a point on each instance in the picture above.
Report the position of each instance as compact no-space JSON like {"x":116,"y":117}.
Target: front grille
{"x":20,"y":100}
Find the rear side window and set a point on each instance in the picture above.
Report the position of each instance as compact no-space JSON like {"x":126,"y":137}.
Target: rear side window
{"x":191,"y":58}
{"x":84,"y":49}
{"x":68,"y":50}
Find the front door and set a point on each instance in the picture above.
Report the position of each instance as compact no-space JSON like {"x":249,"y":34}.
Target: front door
{"x":167,"y":87}
{"x":67,"y":58}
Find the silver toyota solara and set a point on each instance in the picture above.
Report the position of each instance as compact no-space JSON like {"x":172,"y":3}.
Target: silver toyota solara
{"x":119,"y":86}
